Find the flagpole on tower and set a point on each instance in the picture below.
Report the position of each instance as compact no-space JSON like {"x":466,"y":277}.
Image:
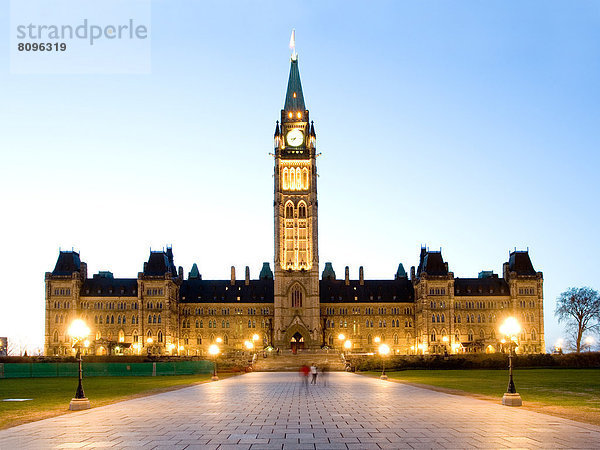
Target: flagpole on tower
{"x":293,"y":45}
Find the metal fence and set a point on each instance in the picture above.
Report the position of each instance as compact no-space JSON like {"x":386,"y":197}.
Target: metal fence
{"x":40,"y":370}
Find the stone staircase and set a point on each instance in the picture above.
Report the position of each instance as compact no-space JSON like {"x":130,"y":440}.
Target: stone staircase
{"x":288,"y":362}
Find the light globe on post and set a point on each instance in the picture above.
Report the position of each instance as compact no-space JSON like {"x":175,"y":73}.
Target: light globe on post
{"x":348,"y":345}
{"x":341,"y":338}
{"x":589,"y":341}
{"x":511,"y":329}
{"x":214,"y":350}
{"x":79,"y":332}
{"x":384,"y":350}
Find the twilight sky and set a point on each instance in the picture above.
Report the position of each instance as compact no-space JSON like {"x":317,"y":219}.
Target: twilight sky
{"x":471,"y":126}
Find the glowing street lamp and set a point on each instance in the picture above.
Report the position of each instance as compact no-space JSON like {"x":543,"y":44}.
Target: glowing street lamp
{"x":79,"y":331}
{"x":383,"y":351}
{"x":377,"y":339}
{"x":219,"y":340}
{"x":255,"y":337}
{"x":214,"y":351}
{"x":589,"y":341}
{"x":348,"y":345}
{"x":511,"y":329}
{"x":249,"y":345}
{"x":341,"y":338}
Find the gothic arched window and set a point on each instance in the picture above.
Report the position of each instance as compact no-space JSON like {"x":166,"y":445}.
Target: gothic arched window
{"x":289,"y":210}
{"x":305,"y":178}
{"x":302,"y":210}
{"x":285,"y":179}
{"x":296,"y":297}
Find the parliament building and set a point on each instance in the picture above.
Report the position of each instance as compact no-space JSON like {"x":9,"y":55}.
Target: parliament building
{"x":293,"y":306}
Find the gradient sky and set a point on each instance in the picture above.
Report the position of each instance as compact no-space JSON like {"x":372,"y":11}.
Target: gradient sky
{"x":473,"y":126}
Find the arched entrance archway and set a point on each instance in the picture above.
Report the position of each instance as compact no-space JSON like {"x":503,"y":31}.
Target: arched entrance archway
{"x":296,"y":342}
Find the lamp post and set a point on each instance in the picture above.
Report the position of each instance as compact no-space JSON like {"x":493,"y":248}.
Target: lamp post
{"x":348,"y":345}
{"x":511,"y":328}
{"x":341,"y":338}
{"x":214,"y":351}
{"x":79,"y":331}
{"x":383,"y":351}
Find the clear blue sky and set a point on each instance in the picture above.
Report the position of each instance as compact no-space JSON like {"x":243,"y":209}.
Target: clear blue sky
{"x":472,"y":126}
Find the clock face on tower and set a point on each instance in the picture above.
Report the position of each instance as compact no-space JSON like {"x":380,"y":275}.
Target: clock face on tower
{"x":295,"y":137}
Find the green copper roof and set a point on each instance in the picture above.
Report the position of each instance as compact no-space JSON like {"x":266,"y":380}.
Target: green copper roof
{"x":266,"y":273}
{"x":194,"y":273}
{"x":401,"y":273}
{"x":328,"y":272}
{"x":294,"y":100}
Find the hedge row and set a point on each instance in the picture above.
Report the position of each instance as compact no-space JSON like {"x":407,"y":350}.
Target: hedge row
{"x":475,"y":361}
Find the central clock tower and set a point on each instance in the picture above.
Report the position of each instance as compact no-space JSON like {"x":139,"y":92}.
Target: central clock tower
{"x":297,"y":316}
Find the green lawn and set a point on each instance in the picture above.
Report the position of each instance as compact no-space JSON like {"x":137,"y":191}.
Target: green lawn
{"x":571,"y":390}
{"x":51,"y":396}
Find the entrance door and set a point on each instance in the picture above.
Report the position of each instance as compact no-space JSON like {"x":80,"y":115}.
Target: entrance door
{"x":296,"y":343}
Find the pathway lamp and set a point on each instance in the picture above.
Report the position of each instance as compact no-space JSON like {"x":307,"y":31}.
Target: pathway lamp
{"x":149,"y":341}
{"x":384,"y":350}
{"x":348,"y":345}
{"x":377,"y":339}
{"x":219,"y":340}
{"x":214,"y":351}
{"x":589,"y":341}
{"x":510,"y":329}
{"x":341,"y":338}
{"x":558,"y":346}
{"x":79,"y":331}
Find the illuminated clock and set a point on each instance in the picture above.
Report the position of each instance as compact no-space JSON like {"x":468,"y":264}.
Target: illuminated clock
{"x":295,"y":137}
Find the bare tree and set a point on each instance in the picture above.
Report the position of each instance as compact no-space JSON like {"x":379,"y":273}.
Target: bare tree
{"x":579,"y":309}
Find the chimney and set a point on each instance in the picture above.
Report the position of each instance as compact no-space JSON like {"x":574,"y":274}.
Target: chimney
{"x":446,"y":264}
{"x":347,"y":276}
{"x":233,"y":275}
{"x":247,"y":275}
{"x":412,"y":273}
{"x":83,"y":270}
{"x":180,"y":273}
{"x":361,"y":275}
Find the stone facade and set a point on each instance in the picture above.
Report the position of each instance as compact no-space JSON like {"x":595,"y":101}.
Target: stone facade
{"x":163,"y":312}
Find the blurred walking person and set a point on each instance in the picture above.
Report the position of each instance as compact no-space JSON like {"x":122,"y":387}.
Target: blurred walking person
{"x":304,"y":371}
{"x":313,"y":372}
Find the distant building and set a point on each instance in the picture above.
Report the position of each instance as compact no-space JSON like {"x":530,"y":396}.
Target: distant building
{"x":163,"y":312}
{"x":3,"y":346}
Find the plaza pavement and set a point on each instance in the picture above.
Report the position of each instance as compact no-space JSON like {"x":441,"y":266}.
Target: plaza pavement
{"x":272,"y":410}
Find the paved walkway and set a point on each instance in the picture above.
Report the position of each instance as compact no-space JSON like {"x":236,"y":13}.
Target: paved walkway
{"x":272,"y":410}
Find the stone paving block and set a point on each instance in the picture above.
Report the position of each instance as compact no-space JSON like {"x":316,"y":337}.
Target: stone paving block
{"x":267,"y":410}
